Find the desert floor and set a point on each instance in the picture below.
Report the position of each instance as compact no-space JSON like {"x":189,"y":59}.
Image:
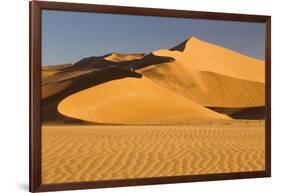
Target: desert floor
{"x":87,"y":153}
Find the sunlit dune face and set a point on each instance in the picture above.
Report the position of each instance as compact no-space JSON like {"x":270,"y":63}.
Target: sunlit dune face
{"x":211,"y":75}
{"x":207,"y":88}
{"x":114,"y":102}
{"x":204,"y":56}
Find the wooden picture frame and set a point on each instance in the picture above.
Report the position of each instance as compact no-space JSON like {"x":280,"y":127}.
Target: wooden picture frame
{"x":35,"y":94}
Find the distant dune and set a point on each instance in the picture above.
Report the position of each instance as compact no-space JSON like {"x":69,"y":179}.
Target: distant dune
{"x":46,"y":73}
{"x":133,"y":101}
{"x":56,"y":67}
{"x":50,"y":70}
{"x":119,"y":57}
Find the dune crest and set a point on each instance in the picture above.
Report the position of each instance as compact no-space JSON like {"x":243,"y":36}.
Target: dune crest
{"x":206,"y":88}
{"x":133,"y":101}
{"x":205,"y":56}
{"x":210,"y":75}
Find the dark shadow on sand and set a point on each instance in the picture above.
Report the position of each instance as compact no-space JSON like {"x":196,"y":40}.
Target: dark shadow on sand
{"x":49,"y":104}
{"x":251,"y":113}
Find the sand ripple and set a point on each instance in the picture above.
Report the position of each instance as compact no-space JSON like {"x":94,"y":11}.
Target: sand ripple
{"x":88,"y":153}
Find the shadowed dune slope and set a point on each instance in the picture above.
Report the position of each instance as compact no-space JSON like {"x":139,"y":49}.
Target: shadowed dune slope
{"x":250,"y":113}
{"x":133,"y":101}
{"x":67,"y":83}
{"x":59,"y":81}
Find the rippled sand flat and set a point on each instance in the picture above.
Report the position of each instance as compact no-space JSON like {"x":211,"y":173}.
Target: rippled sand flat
{"x":88,"y":153}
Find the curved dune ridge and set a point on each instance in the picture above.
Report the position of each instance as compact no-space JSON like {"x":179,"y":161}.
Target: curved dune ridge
{"x":90,"y":153}
{"x":133,"y":101}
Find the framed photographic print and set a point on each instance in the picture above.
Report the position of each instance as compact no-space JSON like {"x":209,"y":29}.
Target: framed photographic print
{"x":125,"y":96}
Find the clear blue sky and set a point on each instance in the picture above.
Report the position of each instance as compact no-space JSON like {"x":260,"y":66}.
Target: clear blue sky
{"x":70,"y":36}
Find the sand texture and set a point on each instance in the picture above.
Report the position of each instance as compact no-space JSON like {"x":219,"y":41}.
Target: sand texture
{"x":88,"y":153}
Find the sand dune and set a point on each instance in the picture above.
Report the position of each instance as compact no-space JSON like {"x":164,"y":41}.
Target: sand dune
{"x":59,"y":81}
{"x":133,"y":101}
{"x":70,"y":82}
{"x":210,"y":75}
{"x":52,"y":77}
{"x":50,"y":70}
{"x":206,"y":88}
{"x":52,"y":89}
{"x":200,"y":72}
{"x":118,"y":57}
{"x":124,"y":61}
{"x":89,"y":153}
{"x":213,"y":58}
{"x":46,"y":73}
{"x":56,"y":66}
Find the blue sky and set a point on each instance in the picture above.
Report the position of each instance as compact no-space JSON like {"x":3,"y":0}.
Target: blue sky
{"x":69,"y":36}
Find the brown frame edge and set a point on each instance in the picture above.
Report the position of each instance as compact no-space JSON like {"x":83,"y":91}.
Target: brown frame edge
{"x":35,"y":8}
{"x":34,"y":97}
{"x":150,"y":181}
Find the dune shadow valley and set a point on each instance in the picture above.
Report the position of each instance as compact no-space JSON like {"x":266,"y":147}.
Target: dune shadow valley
{"x":196,"y":108}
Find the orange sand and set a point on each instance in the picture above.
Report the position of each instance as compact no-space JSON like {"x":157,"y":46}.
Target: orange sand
{"x":133,"y":101}
{"x":88,"y":153}
{"x":118,"y":57}
{"x":210,"y":75}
